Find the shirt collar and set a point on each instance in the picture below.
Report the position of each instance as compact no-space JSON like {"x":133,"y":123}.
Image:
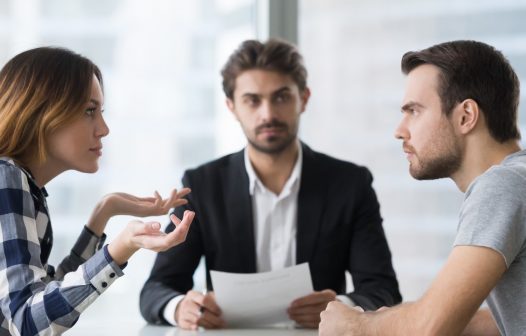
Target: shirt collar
{"x":292,"y":182}
{"x":26,"y":171}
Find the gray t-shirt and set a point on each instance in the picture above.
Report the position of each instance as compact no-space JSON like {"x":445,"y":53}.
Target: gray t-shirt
{"x":493,"y":215}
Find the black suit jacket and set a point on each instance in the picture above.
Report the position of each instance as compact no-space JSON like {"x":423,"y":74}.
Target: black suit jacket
{"x":339,"y":228}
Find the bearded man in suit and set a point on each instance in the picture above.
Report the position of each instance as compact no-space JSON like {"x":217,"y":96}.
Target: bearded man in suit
{"x":274,"y":204}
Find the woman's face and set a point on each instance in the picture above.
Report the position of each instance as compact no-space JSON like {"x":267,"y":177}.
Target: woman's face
{"x":78,"y":145}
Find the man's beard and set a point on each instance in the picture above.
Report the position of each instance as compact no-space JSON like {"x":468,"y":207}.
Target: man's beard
{"x":437,"y":165}
{"x":274,"y":145}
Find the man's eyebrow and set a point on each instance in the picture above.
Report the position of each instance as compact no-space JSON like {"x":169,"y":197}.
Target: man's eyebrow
{"x":250,"y":94}
{"x":410,"y":105}
{"x":278,"y":91}
{"x":281,"y":90}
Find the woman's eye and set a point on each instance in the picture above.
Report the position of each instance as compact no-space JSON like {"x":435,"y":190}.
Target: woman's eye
{"x":91,"y":111}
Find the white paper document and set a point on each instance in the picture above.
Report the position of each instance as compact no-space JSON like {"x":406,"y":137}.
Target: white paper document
{"x":260,"y":299}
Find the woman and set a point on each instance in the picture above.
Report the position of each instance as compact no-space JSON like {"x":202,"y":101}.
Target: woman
{"x":51,"y":121}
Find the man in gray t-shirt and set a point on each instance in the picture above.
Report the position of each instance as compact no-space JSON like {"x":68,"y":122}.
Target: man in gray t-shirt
{"x":460,"y":121}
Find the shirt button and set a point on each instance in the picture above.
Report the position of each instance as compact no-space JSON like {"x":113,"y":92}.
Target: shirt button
{"x":112,"y":275}
{"x":104,"y":284}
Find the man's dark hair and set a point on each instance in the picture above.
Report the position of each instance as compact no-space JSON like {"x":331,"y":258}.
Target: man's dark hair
{"x":273,"y":55}
{"x":475,"y":70}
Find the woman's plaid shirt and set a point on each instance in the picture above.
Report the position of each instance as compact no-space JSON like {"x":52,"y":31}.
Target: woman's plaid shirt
{"x":36,"y":299}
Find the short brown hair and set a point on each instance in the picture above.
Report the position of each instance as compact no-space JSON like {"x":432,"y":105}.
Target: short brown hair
{"x":41,"y":90}
{"x":475,"y":70}
{"x":273,"y":55}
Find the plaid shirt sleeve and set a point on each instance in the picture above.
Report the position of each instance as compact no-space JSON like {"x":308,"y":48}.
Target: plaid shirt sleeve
{"x":86,"y":246}
{"x":33,"y":301}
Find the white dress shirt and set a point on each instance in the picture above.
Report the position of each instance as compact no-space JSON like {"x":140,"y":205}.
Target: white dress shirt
{"x":275,"y":218}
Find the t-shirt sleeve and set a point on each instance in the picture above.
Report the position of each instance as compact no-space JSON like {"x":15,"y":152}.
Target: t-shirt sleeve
{"x":493,"y":214}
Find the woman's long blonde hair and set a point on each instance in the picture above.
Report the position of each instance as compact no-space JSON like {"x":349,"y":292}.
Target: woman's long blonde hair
{"x":41,"y":90}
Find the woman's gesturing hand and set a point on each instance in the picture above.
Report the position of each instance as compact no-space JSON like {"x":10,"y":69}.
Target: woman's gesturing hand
{"x":125,"y":204}
{"x":148,"y":235}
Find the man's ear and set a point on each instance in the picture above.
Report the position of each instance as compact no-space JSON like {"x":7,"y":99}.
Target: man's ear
{"x":467,"y":114}
{"x":231,"y":107}
{"x":305,"y":95}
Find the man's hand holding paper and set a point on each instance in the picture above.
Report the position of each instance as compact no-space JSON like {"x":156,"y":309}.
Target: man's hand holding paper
{"x":199,"y":310}
{"x":306,"y":310}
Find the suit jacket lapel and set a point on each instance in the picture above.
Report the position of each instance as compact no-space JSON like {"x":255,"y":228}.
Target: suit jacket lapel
{"x":311,"y":203}
{"x":239,"y":215}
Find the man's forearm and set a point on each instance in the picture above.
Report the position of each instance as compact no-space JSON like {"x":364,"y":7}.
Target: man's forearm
{"x":414,"y":319}
{"x":402,"y":320}
{"x":396,"y":321}
{"x":482,"y":324}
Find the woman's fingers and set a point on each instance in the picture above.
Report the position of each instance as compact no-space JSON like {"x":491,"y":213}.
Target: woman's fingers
{"x":147,"y":235}
{"x":148,"y":228}
{"x":178,"y":235}
{"x":183,"y":192}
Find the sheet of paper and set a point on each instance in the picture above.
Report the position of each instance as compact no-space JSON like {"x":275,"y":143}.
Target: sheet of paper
{"x":260,"y":299}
